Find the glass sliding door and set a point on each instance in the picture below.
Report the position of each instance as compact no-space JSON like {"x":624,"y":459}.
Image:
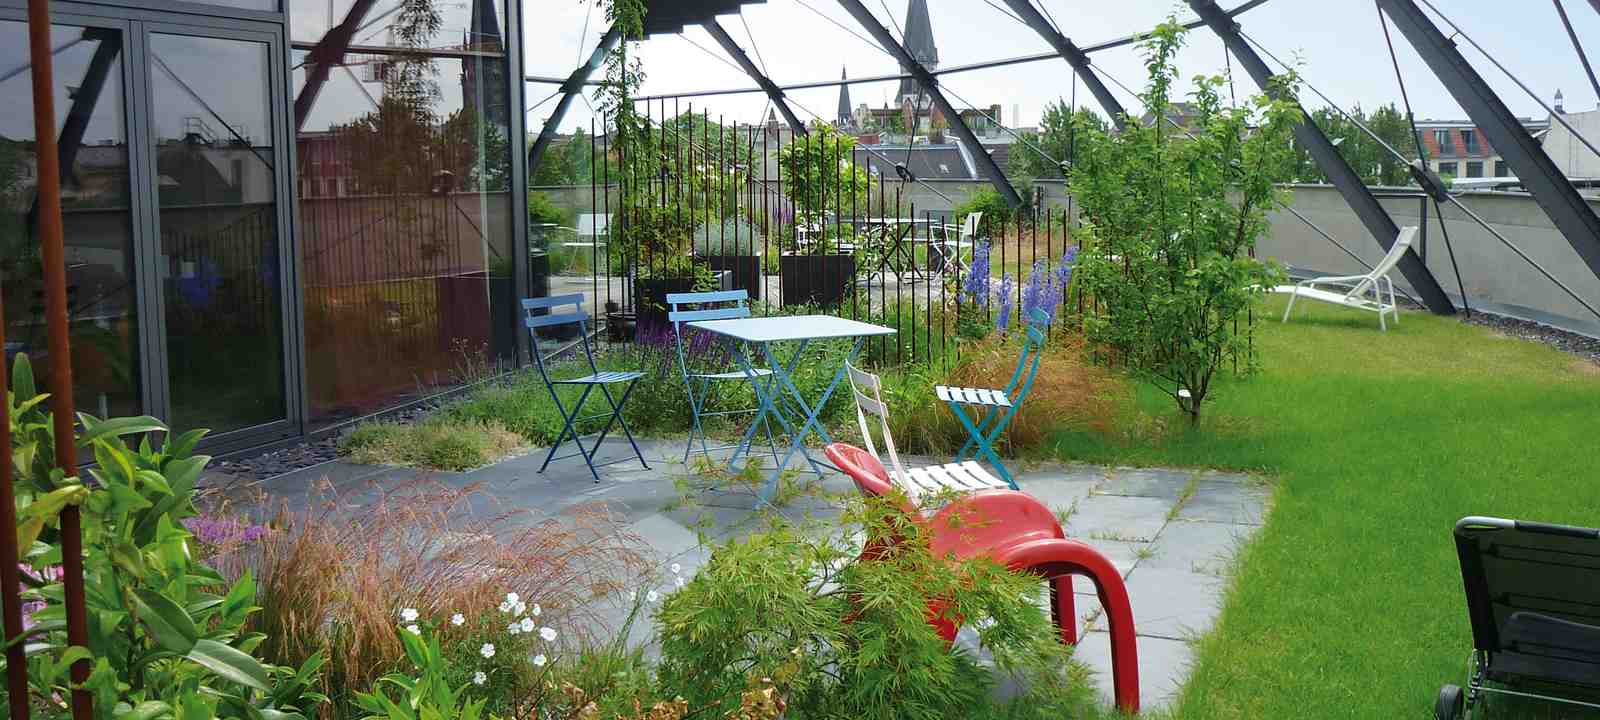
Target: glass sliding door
{"x":97,"y":212}
{"x":216,"y":166}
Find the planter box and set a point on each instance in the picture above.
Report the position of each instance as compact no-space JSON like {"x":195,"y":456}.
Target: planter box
{"x":746,"y":271}
{"x":650,"y":297}
{"x":819,"y":279}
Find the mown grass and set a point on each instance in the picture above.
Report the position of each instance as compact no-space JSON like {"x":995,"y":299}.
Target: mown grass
{"x":1349,"y":603}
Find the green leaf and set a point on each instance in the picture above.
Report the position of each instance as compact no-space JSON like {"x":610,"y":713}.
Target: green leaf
{"x":230,"y":664}
{"x":147,"y":710}
{"x":179,"y":447}
{"x":22,"y":378}
{"x":241,"y":599}
{"x":117,"y":427}
{"x":166,"y":620}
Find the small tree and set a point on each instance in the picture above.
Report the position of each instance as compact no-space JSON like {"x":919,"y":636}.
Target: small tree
{"x":821,"y":171}
{"x":1173,"y":218}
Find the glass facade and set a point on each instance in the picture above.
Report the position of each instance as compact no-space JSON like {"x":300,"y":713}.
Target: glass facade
{"x":96,"y":213}
{"x":211,"y":132}
{"x":242,"y":190}
{"x":404,"y":173}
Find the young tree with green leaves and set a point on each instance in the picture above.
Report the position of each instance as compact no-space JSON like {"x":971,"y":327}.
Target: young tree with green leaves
{"x":1172,"y":220}
{"x":1059,"y":131}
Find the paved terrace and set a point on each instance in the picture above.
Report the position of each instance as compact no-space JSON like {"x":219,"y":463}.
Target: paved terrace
{"x":1171,"y":532}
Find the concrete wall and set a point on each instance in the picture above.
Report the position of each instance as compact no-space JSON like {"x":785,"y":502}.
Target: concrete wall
{"x":1575,"y":159}
{"x":1494,"y":277}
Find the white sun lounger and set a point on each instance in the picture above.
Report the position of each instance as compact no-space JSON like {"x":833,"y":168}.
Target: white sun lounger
{"x":1373,"y":291}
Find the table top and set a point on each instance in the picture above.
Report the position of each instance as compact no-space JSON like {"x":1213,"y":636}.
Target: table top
{"x":791,"y":327}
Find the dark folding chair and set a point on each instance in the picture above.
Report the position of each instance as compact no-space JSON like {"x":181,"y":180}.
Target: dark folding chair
{"x":596,"y":378}
{"x":1533,"y":597}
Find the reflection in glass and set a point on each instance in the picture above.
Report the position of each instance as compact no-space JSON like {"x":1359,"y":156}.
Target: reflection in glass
{"x":212,"y":130}
{"x":404,"y":180}
{"x":93,"y":143}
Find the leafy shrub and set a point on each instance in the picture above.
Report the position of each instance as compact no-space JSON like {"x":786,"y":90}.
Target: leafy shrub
{"x":541,"y":209}
{"x":1172,"y":222}
{"x":835,"y":635}
{"x":996,"y":212}
{"x":167,"y":633}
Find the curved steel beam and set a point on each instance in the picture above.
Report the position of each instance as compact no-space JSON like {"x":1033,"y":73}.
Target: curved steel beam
{"x":1355,"y":192}
{"x":1570,"y":213}
{"x":737,"y":53}
{"x":930,"y":85}
{"x":1078,"y":59}
{"x":328,"y":52}
{"x":569,"y":91}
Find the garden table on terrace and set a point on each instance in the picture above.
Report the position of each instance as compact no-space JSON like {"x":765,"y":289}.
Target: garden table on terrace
{"x":761,"y":334}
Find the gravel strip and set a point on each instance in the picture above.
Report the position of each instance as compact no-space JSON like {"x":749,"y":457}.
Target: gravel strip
{"x":1563,"y":340}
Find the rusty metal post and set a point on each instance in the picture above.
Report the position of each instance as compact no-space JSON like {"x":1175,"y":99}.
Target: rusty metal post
{"x":55,"y":283}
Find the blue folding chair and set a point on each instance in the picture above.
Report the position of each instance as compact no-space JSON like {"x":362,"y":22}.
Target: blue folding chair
{"x":678,"y":316}
{"x":595,"y":379}
{"x":999,"y":406}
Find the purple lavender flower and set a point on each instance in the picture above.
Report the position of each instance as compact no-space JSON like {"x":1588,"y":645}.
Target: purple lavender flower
{"x":1046,"y":288}
{"x":211,"y":530}
{"x":976,"y":285}
{"x":1008,"y":287}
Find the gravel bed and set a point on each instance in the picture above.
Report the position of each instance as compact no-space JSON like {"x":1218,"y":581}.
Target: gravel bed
{"x":1563,"y":340}
{"x":251,"y":469}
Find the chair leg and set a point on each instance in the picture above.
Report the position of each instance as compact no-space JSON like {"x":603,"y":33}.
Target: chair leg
{"x":1286,"y":310}
{"x":616,"y":417}
{"x":570,"y":427}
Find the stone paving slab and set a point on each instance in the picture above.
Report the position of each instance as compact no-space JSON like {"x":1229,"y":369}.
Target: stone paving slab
{"x":1173,"y":604}
{"x":1160,"y":483}
{"x":1226,"y":502}
{"x":1118,"y":517}
{"x":1163,"y":667}
{"x":1200,"y":547}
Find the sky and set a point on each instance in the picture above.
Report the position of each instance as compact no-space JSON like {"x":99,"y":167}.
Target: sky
{"x":1338,"y":43}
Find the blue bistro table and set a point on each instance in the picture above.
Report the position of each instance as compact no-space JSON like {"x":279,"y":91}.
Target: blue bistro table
{"x":761,"y":334}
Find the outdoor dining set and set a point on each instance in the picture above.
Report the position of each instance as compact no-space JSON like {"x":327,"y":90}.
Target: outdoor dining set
{"x":766,"y":352}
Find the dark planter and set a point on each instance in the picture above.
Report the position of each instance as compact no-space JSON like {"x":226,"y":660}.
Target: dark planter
{"x":650,"y":296}
{"x":504,"y":308}
{"x":818,"y":279}
{"x":746,"y":271}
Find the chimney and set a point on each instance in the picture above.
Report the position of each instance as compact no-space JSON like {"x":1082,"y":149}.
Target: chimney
{"x":1560,"y":109}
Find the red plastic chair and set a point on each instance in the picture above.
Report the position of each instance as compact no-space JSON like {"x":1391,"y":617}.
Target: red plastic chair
{"x":1016,"y":530}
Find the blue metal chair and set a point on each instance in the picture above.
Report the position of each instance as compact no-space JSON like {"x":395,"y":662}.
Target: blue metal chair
{"x":595,"y":379}
{"x":677,"y":315}
{"x":999,"y":406}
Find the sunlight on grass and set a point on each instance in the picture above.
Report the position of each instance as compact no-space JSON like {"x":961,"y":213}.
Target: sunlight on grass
{"x":1350,"y":602}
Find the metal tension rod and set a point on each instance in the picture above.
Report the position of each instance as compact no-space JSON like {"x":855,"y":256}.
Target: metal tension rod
{"x":770,"y":88}
{"x":569,"y":91}
{"x":1538,"y":173}
{"x":930,"y":84}
{"x":1356,"y":195}
{"x":1078,"y":59}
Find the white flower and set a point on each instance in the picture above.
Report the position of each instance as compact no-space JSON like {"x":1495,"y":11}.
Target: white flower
{"x":677,"y":569}
{"x":458,"y":620}
{"x":526,"y":625}
{"x":478,"y":678}
{"x":678,"y":580}
{"x":408,"y":615}
{"x":652,"y":596}
{"x":520,"y":608}
{"x":505,"y":607}
{"x":414,"y":630}
{"x":514,"y":628}
{"x":549,"y":634}
{"x":536,"y":611}
{"x":539,"y":660}
{"x":487,"y":651}
{"x":512,"y":598}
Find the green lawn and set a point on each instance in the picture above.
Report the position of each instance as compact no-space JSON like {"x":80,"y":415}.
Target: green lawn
{"x":1349,"y":604}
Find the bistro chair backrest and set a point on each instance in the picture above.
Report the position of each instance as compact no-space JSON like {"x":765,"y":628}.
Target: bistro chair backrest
{"x":1032,"y":353}
{"x":868,"y":392}
{"x":677,"y":315}
{"x":533,"y":319}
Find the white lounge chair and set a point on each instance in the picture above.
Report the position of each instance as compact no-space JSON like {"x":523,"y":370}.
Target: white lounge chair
{"x":1373,"y":292}
{"x":963,"y":477}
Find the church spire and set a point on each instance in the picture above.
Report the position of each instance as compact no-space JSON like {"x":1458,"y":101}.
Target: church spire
{"x":919,"y":44}
{"x":844,"y":119}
